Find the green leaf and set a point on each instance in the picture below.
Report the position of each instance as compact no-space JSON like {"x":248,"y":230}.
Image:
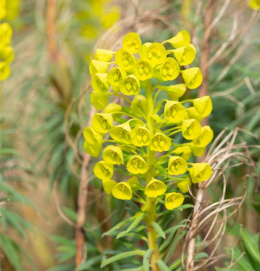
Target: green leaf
{"x":122,"y":256}
{"x":136,"y":222}
{"x":146,"y":259}
{"x":162,"y":266}
{"x":158,"y":229}
{"x":90,"y":262}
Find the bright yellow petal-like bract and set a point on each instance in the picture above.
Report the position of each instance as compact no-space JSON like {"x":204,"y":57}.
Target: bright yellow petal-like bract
{"x":156,"y":54}
{"x":205,"y":137}
{"x":102,"y":123}
{"x":197,"y":151}
{"x":137,"y":165}
{"x":192,"y":77}
{"x":4,"y":71}
{"x":184,"y":185}
{"x":6,"y":53}
{"x":180,"y":40}
{"x":140,"y":136}
{"x":160,"y":143}
{"x":194,"y":114}
{"x":174,"y":91}
{"x":125,"y":60}
{"x":92,"y":149}
{"x":121,"y":133}
{"x":130,"y":85}
{"x":99,"y":99}
{"x":122,"y":191}
{"x":254,"y":4}
{"x":173,"y":200}
{"x":175,"y":112}
{"x":200,"y":172}
{"x":177,"y":165}
{"x":191,"y":129}
{"x":138,"y":105}
{"x":113,"y":108}
{"x":6,"y":33}
{"x":115,"y":76}
{"x":108,"y":185}
{"x":155,"y":188}
{"x":185,"y":55}
{"x":203,"y":105}
{"x":103,"y":170}
{"x":104,"y":55}
{"x":99,"y":82}
{"x":96,"y":66}
{"x":169,"y":70}
{"x":92,"y":136}
{"x":113,"y":155}
{"x":132,"y":42}
{"x":183,"y":151}
{"x":143,"y":70}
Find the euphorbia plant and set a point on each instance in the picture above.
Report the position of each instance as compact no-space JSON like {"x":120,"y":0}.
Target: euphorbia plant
{"x":151,"y":140}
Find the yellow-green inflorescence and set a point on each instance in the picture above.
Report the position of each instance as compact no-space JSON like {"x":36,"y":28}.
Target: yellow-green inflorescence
{"x":142,"y":134}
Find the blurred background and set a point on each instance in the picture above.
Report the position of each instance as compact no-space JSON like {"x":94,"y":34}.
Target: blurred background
{"x":45,"y":105}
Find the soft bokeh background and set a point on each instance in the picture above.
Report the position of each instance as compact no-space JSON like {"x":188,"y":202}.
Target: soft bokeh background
{"x":45,"y":105}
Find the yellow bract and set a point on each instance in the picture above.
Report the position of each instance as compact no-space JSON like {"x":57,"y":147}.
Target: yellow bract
{"x":108,"y":185}
{"x":140,"y":136}
{"x":103,"y":170}
{"x":203,"y":105}
{"x":132,"y":42}
{"x":173,"y":200}
{"x":102,"y":123}
{"x":4,"y":70}
{"x":137,"y":165}
{"x":174,"y":91}
{"x":185,"y":55}
{"x":192,"y":77}
{"x":92,"y":136}
{"x":121,"y":133}
{"x":115,"y":76}
{"x":169,"y":70}
{"x":113,"y":155}
{"x":130,"y":85}
{"x":5,"y":33}
{"x":180,"y":40}
{"x":191,"y":129}
{"x":143,"y":49}
{"x":155,"y":188}
{"x":254,"y":4}
{"x":194,"y":114}
{"x":113,"y":108}
{"x":175,"y":112}
{"x":6,"y":53}
{"x":156,"y":54}
{"x":200,"y":172}
{"x":92,"y":149}
{"x":99,"y":82}
{"x":183,"y":151}
{"x":184,"y":185}
{"x":135,"y":183}
{"x":160,"y":142}
{"x":99,"y":99}
{"x":205,"y":137}
{"x":122,"y":191}
{"x":143,"y":70}
{"x":96,"y":66}
{"x":138,"y":105}
{"x":197,"y":151}
{"x":104,"y":55}
{"x":125,"y":60}
{"x":177,"y":165}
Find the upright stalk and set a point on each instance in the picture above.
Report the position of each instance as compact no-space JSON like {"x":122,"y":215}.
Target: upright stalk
{"x":151,"y":202}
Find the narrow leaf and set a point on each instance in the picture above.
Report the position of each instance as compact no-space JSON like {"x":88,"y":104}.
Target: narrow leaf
{"x":158,"y":229}
{"x":146,"y":259}
{"x":162,"y":265}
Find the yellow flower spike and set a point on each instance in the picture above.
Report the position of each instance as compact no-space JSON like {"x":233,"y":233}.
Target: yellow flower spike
{"x":197,"y":151}
{"x":92,"y":136}
{"x":205,"y":137}
{"x":121,"y":133}
{"x":137,"y":165}
{"x":143,"y":70}
{"x":155,"y":188}
{"x":194,"y":114}
{"x":113,"y":155}
{"x":99,"y":99}
{"x":191,"y":129}
{"x":156,"y":54}
{"x":135,"y":183}
{"x":185,"y":55}
{"x":184,"y":185}
{"x":103,"y":170}
{"x":180,"y":40}
{"x":92,"y":149}
{"x":138,"y":105}
{"x":143,"y":49}
{"x":125,"y":60}
{"x":177,"y":165}
{"x":5,"y":33}
{"x":102,"y":123}
{"x":200,"y":172}
{"x":174,"y":91}
{"x":99,"y":82}
{"x":183,"y":151}
{"x":96,"y":66}
{"x":173,"y":200}
{"x":108,"y":185}
{"x":192,"y":77}
{"x":203,"y":105}
{"x":169,"y":70}
{"x":160,"y":143}
{"x":132,"y":42}
{"x":115,"y":76}
{"x":140,"y":136}
{"x":130,"y":85}
{"x":6,"y":54}
{"x":175,"y":112}
{"x":254,"y":4}
{"x":122,"y":191}
{"x":4,"y":71}
{"x":104,"y":55}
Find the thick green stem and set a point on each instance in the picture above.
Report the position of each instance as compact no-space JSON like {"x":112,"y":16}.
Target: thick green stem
{"x":151,"y":202}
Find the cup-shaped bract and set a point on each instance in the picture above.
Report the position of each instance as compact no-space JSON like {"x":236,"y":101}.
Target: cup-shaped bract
{"x":102,"y":123}
{"x":122,"y":191}
{"x":184,"y":185}
{"x":183,"y":151}
{"x":103,"y":170}
{"x":6,"y":33}
{"x":203,"y":105}
{"x":177,"y":165}
{"x":130,"y":85}
{"x":185,"y":55}
{"x":143,"y":50}
{"x":104,"y":55}
{"x":160,"y":142}
{"x":137,"y":165}
{"x":143,"y":70}
{"x":4,"y":71}
{"x":113,"y":155}
{"x":156,"y":54}
{"x":181,"y":39}
{"x":99,"y":99}
{"x":125,"y":60}
{"x":191,"y":129}
{"x":194,"y":114}
{"x":200,"y":172}
{"x":192,"y":77}
{"x":135,"y":183}
{"x":96,"y":66}
{"x":115,"y":76}
{"x":197,"y":151}
{"x":173,"y":200}
{"x":6,"y":53}
{"x":92,"y":136}
{"x":108,"y":185}
{"x":205,"y":137}
{"x":138,"y":105}
{"x":169,"y":70}
{"x":99,"y":82}
{"x":113,"y":108}
{"x":121,"y":133}
{"x":132,"y":42}
{"x":174,"y":91}
{"x":92,"y":149}
{"x":175,"y":112}
{"x":155,"y":188}
{"x":140,"y":136}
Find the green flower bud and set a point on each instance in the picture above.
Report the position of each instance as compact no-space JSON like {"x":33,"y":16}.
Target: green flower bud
{"x":113,"y":155}
{"x":132,"y":42}
{"x":121,"y":133}
{"x":155,"y":188}
{"x":122,"y":191}
{"x":160,"y":142}
{"x":200,"y":172}
{"x":185,"y":55}
{"x":130,"y":85}
{"x":104,"y":55}
{"x":205,"y":137}
{"x":191,"y":129}
{"x":203,"y":105}
{"x":175,"y":112}
{"x":102,"y":123}
{"x":99,"y":82}
{"x":96,"y":66}
{"x":103,"y":170}
{"x":192,"y":77}
{"x":177,"y":165}
{"x":173,"y":200}
{"x":125,"y":60}
{"x":137,"y":165}
{"x":99,"y":99}
{"x":115,"y":76}
{"x":143,"y":70}
{"x":140,"y":136}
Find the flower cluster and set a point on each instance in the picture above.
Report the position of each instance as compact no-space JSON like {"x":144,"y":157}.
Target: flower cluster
{"x":147,"y":127}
